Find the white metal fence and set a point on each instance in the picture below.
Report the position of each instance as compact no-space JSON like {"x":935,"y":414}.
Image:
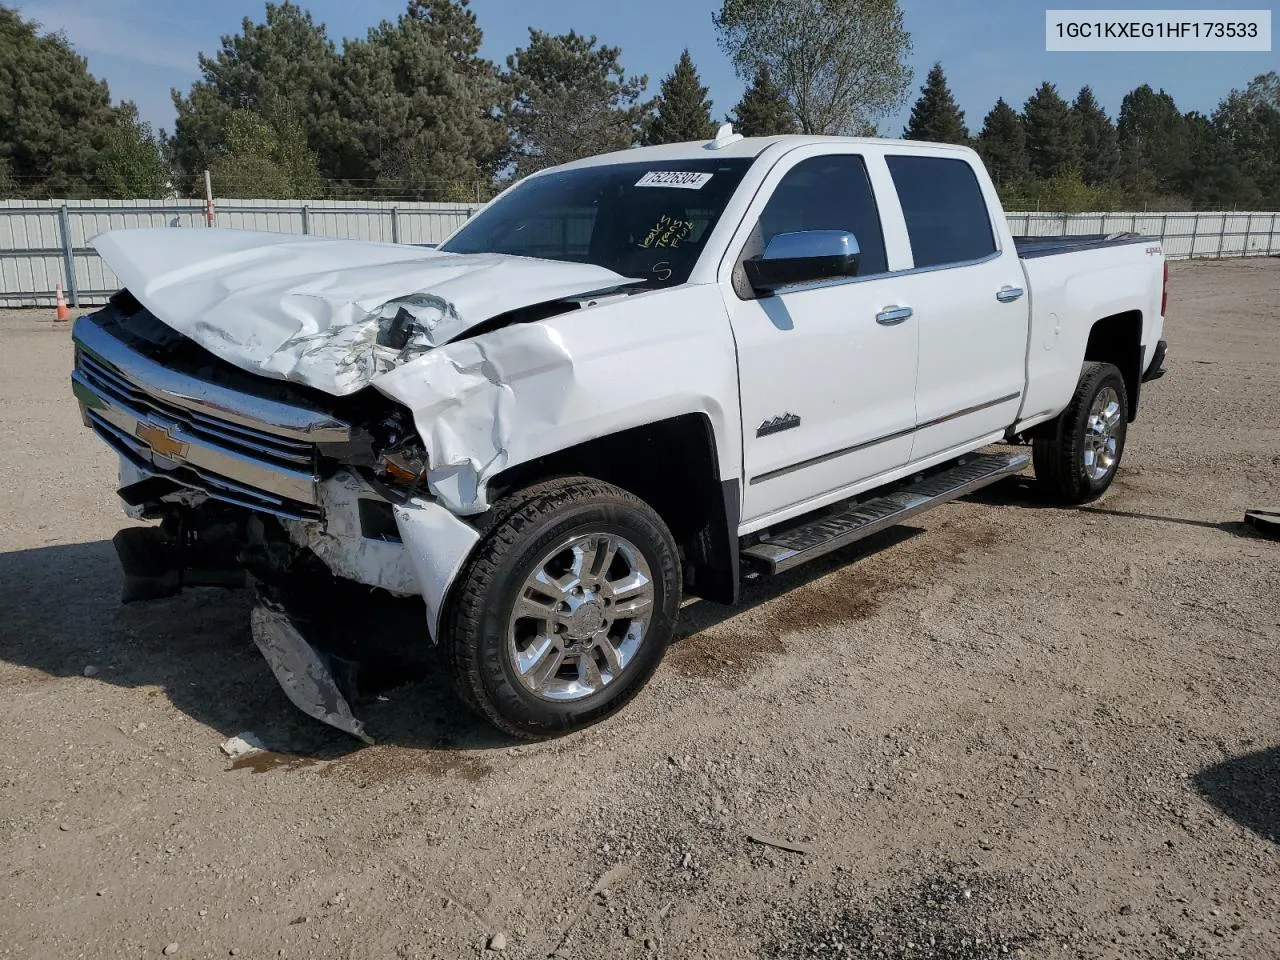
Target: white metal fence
{"x":45,"y":242}
{"x":1182,"y":235}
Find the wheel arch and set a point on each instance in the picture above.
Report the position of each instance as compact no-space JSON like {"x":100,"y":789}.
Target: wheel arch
{"x":673,"y":465}
{"x":1117,"y":339}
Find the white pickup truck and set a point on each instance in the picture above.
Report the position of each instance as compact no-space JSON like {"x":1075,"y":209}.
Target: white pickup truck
{"x":629,"y":379}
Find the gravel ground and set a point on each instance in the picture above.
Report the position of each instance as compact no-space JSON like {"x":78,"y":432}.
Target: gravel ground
{"x":1005,"y":730}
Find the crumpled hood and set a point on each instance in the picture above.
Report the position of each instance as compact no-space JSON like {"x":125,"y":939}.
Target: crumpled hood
{"x":331,"y":314}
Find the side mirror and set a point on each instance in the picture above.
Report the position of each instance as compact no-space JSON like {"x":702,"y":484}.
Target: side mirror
{"x":803,"y":257}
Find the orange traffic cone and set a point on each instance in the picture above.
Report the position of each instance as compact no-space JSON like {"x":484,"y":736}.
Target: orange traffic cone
{"x":63,"y":312}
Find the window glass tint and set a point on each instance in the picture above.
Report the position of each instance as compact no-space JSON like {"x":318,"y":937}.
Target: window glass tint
{"x":828,"y":193}
{"x":644,"y":220}
{"x":947,"y":217}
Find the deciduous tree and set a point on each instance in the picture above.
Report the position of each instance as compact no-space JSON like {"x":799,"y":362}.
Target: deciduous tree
{"x":841,"y":63}
{"x":1243,"y":168}
{"x":131,"y":163}
{"x":266,"y":156}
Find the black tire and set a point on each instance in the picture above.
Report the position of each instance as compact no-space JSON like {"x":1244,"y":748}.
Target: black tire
{"x":1060,"y":455}
{"x":522,"y":528}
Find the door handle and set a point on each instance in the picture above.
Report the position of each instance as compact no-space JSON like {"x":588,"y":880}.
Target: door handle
{"x":892,"y":316}
{"x":1008,"y":294}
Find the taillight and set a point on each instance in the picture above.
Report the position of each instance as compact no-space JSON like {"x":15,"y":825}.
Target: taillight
{"x":1164,"y":292}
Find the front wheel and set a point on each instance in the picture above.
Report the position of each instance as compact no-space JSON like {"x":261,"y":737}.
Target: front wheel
{"x":565,"y":609}
{"x":1078,"y":460}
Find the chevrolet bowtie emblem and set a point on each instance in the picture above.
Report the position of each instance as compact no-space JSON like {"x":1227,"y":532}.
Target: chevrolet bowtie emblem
{"x":161,"y":441}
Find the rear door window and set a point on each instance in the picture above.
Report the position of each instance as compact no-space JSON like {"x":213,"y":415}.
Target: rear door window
{"x":946,"y":213}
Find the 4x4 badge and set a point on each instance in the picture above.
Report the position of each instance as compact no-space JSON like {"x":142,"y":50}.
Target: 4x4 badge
{"x":785,"y":422}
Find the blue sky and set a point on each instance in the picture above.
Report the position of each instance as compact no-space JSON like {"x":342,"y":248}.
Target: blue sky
{"x":988,"y":49}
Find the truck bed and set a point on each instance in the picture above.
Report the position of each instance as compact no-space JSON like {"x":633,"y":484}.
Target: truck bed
{"x":1029,"y":247}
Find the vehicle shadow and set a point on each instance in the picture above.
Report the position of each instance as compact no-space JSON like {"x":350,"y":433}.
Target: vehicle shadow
{"x":1247,"y":789}
{"x":703,"y":615}
{"x":1021,"y":491}
{"x":62,"y":613}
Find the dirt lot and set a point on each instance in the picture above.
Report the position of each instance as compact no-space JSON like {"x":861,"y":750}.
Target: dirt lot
{"x":1009,"y":730}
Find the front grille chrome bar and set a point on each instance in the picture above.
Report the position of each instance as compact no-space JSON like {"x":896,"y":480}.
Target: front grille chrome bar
{"x":258,"y":453}
{"x":203,"y":397}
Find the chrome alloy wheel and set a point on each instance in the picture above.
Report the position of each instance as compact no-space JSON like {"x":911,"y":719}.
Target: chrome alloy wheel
{"x":580,"y":617}
{"x":1102,"y":434}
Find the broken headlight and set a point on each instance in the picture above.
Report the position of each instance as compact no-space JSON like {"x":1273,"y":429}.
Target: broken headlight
{"x":405,"y":465}
{"x":400,"y":462}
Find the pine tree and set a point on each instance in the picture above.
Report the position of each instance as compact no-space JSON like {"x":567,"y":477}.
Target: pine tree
{"x":1052,"y":142}
{"x":58,"y":128}
{"x":684,"y":112}
{"x":935,"y":115}
{"x":570,"y":98}
{"x":1003,"y":145}
{"x":287,"y":62}
{"x":1099,"y":146}
{"x":764,"y":110}
{"x":1154,"y":141}
{"x":451,"y":25}
{"x":412,"y":114}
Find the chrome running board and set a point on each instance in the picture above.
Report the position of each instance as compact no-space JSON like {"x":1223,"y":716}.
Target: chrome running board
{"x":780,"y":551}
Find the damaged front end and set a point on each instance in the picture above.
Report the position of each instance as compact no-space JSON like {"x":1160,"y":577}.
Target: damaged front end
{"x":318,"y":684}
{"x":255,"y":483}
{"x":293,"y":410}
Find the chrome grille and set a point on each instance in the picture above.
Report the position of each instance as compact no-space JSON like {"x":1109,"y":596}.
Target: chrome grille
{"x":242,"y":448}
{"x":243,"y":440}
{"x":221,"y":488}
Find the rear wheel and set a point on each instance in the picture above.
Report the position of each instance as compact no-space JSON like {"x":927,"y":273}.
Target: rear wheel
{"x":1078,"y":460}
{"x":565,"y":609}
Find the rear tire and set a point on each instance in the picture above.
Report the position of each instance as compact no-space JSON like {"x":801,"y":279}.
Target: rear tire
{"x":565,"y":608}
{"x":1077,"y":461}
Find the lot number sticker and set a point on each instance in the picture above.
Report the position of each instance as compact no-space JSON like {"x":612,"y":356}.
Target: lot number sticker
{"x":680,"y":179}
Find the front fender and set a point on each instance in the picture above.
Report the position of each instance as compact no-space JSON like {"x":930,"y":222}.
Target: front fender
{"x":529,"y":390}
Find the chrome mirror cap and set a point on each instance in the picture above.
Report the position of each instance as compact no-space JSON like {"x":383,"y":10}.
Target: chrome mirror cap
{"x":804,"y":256}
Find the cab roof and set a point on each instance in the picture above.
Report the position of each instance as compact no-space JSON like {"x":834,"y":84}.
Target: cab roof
{"x":749,"y":147}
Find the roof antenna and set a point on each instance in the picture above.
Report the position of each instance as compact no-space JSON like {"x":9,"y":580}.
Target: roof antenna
{"x":724,"y":137}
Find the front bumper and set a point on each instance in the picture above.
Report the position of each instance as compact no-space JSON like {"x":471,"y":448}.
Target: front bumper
{"x":250,"y":451}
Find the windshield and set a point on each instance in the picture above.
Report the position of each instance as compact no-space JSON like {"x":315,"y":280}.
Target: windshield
{"x":644,"y":220}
